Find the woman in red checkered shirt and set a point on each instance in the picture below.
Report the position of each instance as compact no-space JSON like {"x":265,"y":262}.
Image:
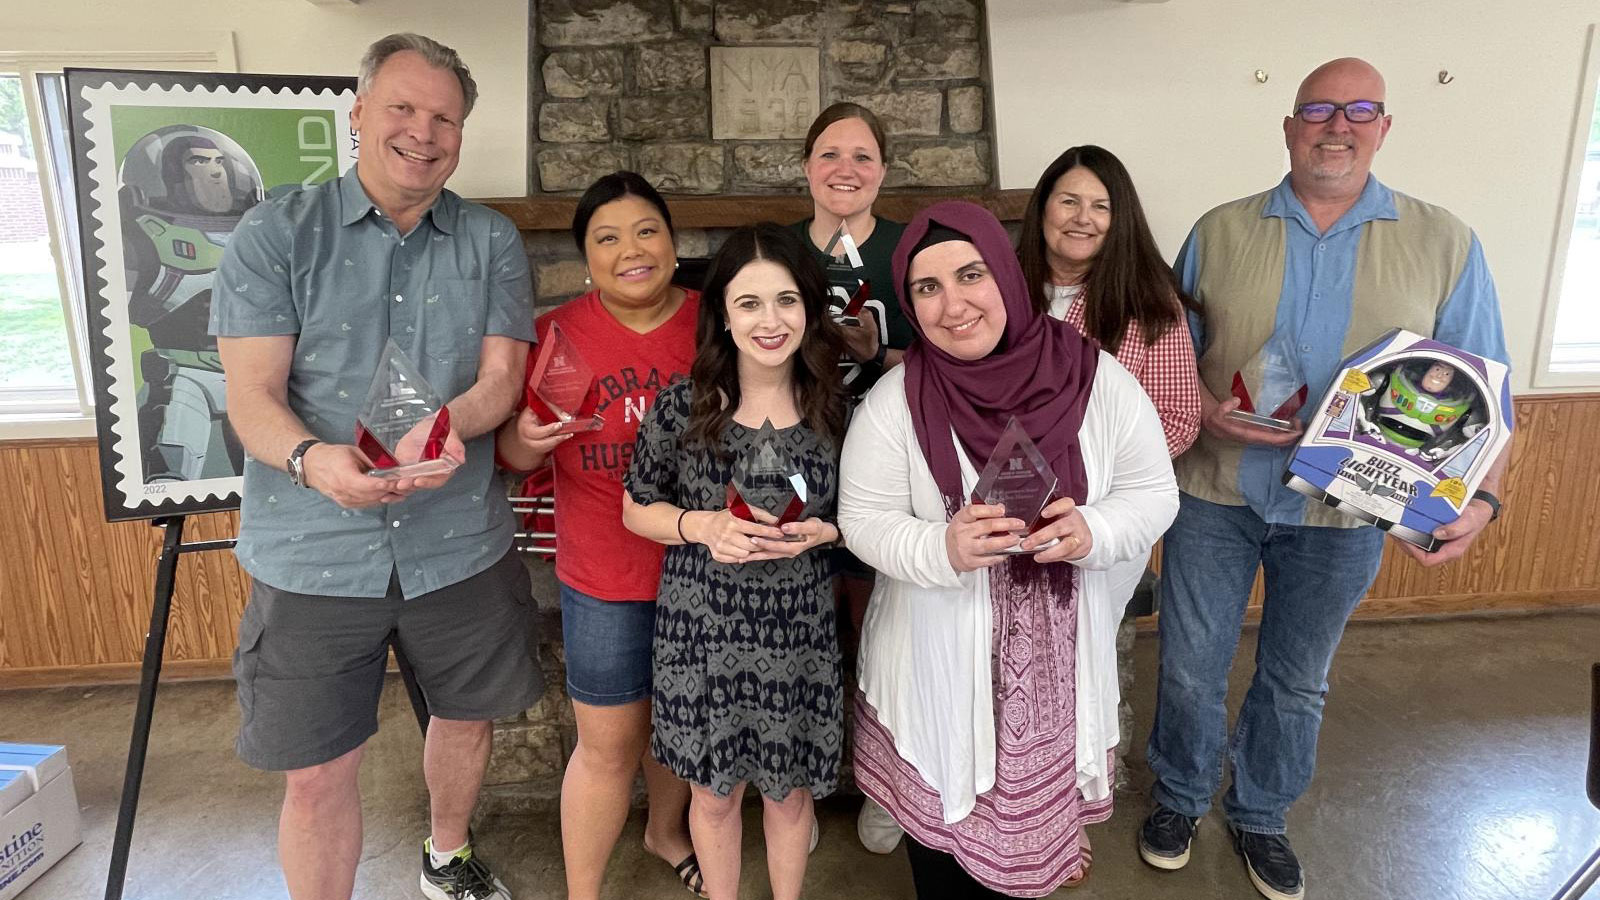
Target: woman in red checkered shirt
{"x":1089,"y":258}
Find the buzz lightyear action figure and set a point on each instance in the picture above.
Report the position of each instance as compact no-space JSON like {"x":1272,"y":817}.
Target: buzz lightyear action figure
{"x":183,"y":190}
{"x":1413,"y":406}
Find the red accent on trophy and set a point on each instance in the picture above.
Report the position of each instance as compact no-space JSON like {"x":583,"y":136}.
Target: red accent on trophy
{"x":562,"y":387}
{"x":390,"y":426}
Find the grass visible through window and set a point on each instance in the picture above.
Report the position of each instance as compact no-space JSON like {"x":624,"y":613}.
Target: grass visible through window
{"x":33,"y":332}
{"x":33,"y":328}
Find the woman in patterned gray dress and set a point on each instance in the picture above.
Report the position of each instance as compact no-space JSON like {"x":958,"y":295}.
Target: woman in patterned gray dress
{"x":746,"y":669}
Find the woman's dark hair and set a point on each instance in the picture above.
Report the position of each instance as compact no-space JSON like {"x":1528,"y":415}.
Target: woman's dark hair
{"x":607,"y":188}
{"x":838,"y":112}
{"x":819,"y":392}
{"x":1128,"y":280}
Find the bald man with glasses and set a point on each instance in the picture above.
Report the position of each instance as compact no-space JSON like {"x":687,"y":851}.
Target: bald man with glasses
{"x":1289,"y":282}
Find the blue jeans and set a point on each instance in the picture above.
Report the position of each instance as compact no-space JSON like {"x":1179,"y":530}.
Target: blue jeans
{"x":608,"y":644}
{"x":1314,"y":578}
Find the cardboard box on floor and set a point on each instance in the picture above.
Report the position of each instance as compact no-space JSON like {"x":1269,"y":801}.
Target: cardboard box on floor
{"x":38,"y":813}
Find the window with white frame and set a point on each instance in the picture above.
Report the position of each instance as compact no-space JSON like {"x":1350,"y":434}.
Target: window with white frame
{"x":1577,"y":336}
{"x":43,"y":330}
{"x":1571,"y":352}
{"x":41,"y":323}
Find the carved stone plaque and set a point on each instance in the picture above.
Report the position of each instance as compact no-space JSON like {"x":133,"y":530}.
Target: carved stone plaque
{"x":763,"y":93}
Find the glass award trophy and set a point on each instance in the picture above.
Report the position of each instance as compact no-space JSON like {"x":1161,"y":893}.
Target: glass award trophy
{"x":851,"y":314}
{"x":1269,"y":390}
{"x":1017,"y":477}
{"x":842,"y":271}
{"x":404,"y":423}
{"x":767,"y":486}
{"x":561,"y":387}
{"x":1281,"y":417}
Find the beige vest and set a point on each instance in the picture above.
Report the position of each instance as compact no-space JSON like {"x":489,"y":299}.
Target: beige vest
{"x":1405,"y":270}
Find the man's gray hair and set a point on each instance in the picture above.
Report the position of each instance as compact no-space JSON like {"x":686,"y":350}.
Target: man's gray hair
{"x":434,"y":53}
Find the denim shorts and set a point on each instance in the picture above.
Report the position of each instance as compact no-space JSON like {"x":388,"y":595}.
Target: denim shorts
{"x":608,"y":647}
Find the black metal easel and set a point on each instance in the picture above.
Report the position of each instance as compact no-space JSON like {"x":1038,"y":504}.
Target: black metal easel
{"x":155,"y":642}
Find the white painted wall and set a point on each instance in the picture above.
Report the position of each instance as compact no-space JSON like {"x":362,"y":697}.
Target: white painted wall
{"x":302,"y":38}
{"x":1170,"y":88}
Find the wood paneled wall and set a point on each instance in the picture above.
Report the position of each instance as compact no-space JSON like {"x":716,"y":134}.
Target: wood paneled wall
{"x":75,"y":592}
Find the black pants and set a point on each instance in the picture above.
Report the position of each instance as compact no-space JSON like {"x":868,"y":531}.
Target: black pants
{"x":937,"y":876}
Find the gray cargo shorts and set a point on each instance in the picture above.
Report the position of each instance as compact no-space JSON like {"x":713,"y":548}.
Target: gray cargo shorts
{"x":309,"y":669}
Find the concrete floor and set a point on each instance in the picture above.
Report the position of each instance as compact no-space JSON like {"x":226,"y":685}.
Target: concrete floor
{"x":1452,"y":764}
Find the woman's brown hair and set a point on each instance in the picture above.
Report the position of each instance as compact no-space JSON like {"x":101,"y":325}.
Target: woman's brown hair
{"x":819,"y":392}
{"x":838,"y":112}
{"x":1128,"y":280}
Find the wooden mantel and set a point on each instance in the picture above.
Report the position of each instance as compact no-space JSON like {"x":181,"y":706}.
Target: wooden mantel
{"x":553,"y":213}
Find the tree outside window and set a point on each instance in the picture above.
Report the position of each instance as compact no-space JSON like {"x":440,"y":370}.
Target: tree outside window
{"x":35,"y":358}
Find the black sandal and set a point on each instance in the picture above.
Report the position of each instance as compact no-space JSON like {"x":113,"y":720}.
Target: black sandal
{"x":688,"y":872}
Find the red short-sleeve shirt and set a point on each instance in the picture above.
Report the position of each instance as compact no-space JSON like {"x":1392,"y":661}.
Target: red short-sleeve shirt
{"x":595,"y":554}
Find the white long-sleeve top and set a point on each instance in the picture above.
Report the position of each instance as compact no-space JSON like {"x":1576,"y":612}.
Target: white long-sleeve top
{"x":924,"y":661}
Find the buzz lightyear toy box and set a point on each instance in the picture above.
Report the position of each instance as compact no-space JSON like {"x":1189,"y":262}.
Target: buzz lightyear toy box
{"x":1405,"y":435}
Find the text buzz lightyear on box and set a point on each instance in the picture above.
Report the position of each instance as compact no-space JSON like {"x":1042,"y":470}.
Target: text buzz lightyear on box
{"x":1405,"y":435}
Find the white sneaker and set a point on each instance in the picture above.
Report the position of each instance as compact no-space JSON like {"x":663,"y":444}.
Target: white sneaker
{"x":816,"y":833}
{"x":464,"y":877}
{"x":879,"y":832}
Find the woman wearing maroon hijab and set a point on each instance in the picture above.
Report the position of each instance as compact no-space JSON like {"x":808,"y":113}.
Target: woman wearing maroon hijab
{"x":969,"y":707}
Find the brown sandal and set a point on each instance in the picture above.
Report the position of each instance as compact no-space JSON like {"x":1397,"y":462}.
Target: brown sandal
{"x":1086,"y":861}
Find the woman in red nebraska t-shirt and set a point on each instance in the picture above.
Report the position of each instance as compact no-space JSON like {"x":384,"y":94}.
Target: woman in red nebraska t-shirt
{"x":635,"y":331}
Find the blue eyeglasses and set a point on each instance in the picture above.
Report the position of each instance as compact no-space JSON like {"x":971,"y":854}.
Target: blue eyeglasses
{"x":1356,"y":112}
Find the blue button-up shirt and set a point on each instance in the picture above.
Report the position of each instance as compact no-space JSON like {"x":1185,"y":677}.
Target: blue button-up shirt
{"x":325,"y":265}
{"x":1314,"y":314}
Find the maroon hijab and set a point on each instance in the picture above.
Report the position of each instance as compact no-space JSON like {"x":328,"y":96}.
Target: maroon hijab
{"x":1040,"y":372}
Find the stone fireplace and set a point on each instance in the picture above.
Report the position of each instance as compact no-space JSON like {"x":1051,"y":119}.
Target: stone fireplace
{"x":636,"y":84}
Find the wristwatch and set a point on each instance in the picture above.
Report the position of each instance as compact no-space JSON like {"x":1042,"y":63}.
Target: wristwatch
{"x":296,"y":463}
{"x":879,"y":357}
{"x":1492,"y":500}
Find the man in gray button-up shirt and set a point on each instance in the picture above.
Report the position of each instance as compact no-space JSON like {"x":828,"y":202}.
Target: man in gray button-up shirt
{"x":312,"y":286}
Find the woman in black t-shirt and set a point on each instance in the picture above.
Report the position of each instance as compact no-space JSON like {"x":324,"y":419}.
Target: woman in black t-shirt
{"x":845,"y":161}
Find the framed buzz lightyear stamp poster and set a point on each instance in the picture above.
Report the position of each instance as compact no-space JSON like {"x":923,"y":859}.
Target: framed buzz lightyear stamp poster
{"x":166,"y":165}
